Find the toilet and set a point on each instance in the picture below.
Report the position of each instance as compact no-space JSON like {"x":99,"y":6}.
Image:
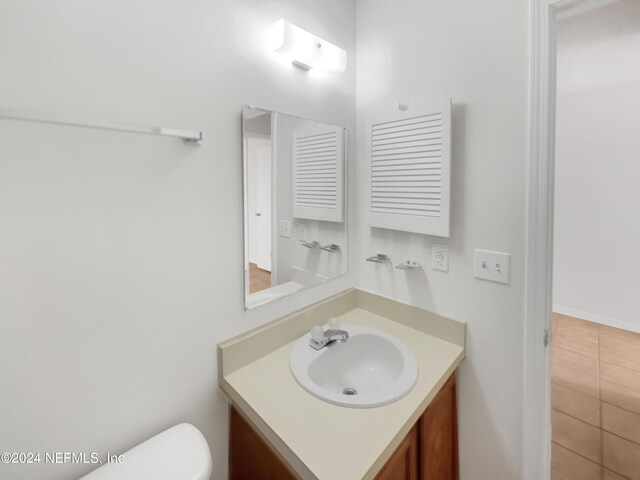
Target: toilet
{"x":179,"y":453}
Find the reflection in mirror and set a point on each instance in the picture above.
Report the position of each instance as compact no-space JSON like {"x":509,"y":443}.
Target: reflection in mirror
{"x":295,"y":233}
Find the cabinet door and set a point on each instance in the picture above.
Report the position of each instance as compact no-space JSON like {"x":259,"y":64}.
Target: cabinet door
{"x":403,"y":464}
{"x":250,"y":458}
{"x":439,"y":436}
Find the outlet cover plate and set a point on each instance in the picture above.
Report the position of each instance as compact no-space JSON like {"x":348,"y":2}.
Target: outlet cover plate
{"x":492,"y":266}
{"x":440,"y":257}
{"x":302,"y":233}
{"x":285,"y":229}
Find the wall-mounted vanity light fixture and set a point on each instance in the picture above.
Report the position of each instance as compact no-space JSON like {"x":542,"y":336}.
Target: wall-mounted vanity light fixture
{"x":307,"y":51}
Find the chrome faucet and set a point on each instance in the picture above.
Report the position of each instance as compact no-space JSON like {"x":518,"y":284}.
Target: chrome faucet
{"x":321,"y":338}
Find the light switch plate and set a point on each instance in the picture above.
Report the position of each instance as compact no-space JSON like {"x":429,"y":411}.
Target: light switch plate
{"x":493,"y":266}
{"x":285,"y":229}
{"x":440,"y":257}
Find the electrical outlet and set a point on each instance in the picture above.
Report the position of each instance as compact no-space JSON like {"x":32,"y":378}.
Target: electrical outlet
{"x":285,"y":229}
{"x":440,"y":257}
{"x":493,"y":266}
{"x":302,"y":233}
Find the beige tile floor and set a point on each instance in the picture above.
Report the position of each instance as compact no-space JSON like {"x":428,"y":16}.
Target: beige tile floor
{"x":595,"y":401}
{"x":258,"y":279}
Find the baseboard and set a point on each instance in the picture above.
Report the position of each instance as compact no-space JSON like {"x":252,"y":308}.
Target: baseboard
{"x":611,"y":322}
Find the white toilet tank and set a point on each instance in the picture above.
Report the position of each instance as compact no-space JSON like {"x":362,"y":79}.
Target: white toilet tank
{"x":179,"y":453}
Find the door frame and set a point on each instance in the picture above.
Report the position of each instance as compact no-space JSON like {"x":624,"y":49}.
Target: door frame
{"x":536,"y":441}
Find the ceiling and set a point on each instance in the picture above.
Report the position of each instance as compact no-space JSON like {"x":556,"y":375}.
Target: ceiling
{"x":599,"y":47}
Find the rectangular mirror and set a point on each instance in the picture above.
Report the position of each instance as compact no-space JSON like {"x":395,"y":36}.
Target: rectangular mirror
{"x":295,"y":232}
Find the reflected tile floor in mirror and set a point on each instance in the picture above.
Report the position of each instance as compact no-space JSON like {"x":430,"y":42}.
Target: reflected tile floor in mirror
{"x":595,"y":401}
{"x":258,"y":279}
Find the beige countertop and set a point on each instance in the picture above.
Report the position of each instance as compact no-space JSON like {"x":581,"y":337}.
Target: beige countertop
{"x":318,"y":440}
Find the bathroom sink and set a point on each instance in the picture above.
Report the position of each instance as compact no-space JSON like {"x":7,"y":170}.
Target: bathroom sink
{"x":370,"y":369}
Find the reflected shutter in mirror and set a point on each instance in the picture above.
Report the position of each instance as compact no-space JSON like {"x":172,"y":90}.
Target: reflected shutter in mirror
{"x":318,"y":173}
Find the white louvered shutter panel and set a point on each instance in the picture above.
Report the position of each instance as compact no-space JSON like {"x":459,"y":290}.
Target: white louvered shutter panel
{"x":410,"y":167}
{"x":318,"y":172}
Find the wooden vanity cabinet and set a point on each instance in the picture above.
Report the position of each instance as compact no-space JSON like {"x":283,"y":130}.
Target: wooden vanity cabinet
{"x":428,"y":452}
{"x":250,"y":458}
{"x":439,"y":436}
{"x":434,"y":438}
{"x":403,"y":464}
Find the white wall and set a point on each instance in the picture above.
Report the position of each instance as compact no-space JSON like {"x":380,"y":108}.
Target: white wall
{"x":476,"y":53}
{"x":597,"y":231}
{"x":121,"y":255}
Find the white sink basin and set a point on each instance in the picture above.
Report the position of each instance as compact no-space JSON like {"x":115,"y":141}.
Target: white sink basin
{"x":370,"y":369}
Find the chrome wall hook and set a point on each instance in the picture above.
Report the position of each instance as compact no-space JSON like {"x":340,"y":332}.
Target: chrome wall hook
{"x":331,"y":248}
{"x":379,"y":258}
{"x":410,"y":265}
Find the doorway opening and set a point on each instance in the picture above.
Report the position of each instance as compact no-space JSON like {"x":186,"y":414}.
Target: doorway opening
{"x":595,"y":374}
{"x":259,"y":200}
{"x":589,"y":162}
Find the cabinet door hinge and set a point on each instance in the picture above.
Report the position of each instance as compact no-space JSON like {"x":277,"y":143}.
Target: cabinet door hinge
{"x":546,"y":337}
